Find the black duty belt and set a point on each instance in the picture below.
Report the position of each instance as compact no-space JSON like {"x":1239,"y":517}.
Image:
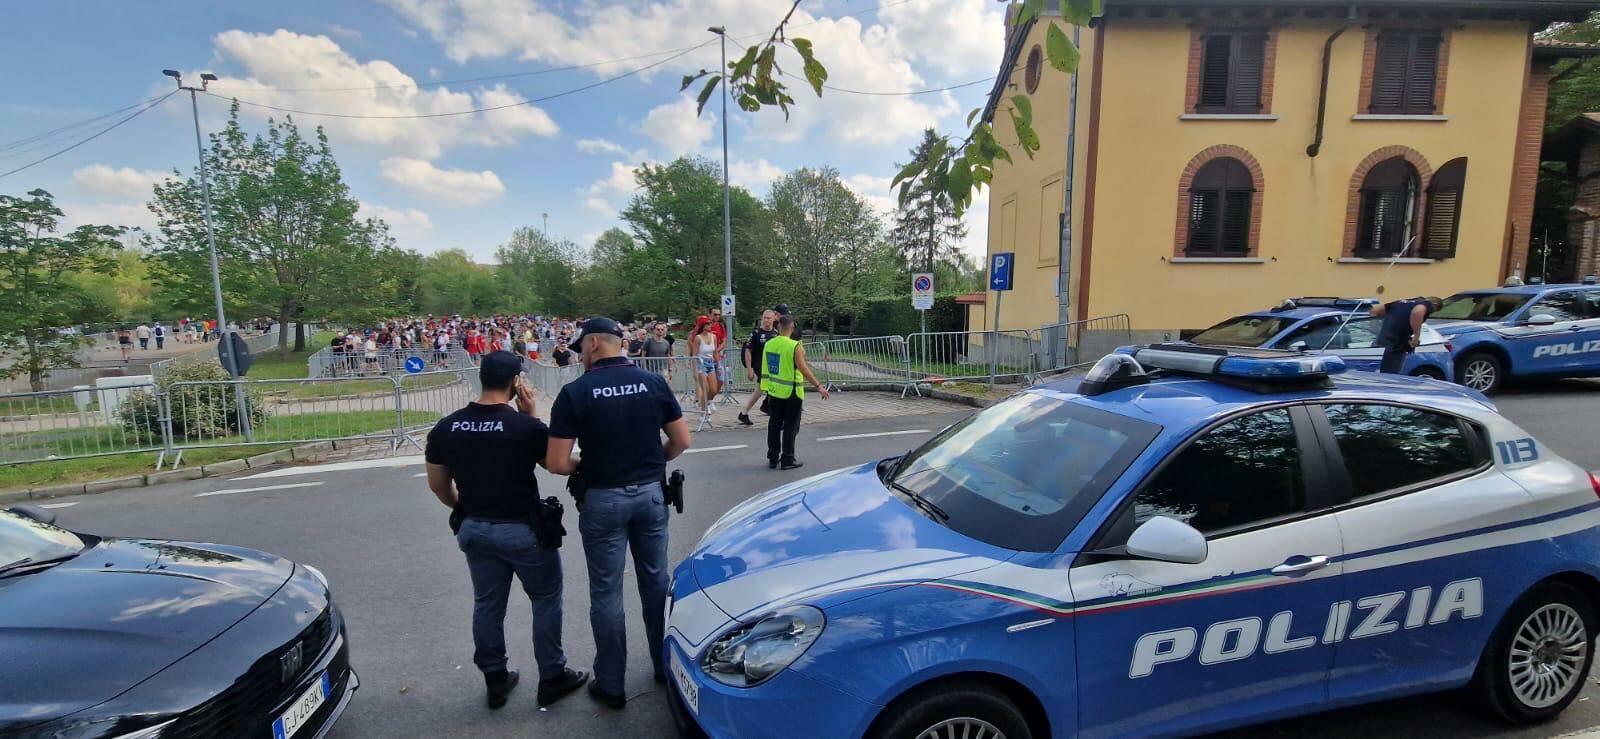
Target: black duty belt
{"x":493,"y":519}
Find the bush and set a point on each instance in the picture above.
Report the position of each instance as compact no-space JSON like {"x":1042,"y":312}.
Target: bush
{"x":199,"y":411}
{"x":894,"y":316}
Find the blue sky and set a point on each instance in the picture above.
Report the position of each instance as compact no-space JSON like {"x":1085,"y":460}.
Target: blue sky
{"x":467,"y":181}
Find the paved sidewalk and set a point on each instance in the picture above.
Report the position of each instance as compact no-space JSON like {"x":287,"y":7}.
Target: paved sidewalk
{"x":853,"y":405}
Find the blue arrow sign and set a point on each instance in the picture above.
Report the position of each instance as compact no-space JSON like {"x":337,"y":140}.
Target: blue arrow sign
{"x":414,"y":365}
{"x":1000,"y":270}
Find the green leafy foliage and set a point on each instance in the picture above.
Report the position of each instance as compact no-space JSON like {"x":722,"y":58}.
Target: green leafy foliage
{"x":752,"y":80}
{"x":203,"y":405}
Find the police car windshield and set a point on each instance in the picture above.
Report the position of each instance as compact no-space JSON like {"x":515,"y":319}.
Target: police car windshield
{"x":1242,"y":331}
{"x":1022,"y":473}
{"x":1479,"y":306}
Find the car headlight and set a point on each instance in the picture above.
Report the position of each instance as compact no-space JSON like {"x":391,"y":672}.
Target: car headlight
{"x":317,"y":575}
{"x":751,"y":654}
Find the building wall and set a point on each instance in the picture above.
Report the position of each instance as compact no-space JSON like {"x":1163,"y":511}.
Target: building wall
{"x":1144,"y":148}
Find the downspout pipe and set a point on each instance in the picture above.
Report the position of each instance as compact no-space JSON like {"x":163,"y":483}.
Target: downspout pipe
{"x":1322,"y":91}
{"x":1064,"y":258}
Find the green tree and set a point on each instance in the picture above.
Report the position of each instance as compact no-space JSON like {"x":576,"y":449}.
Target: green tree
{"x":35,"y":295}
{"x":286,"y":229}
{"x":539,"y":273}
{"x":926,"y":226}
{"x":452,"y":283}
{"x":676,"y":221}
{"x":606,"y":286}
{"x":828,"y":241}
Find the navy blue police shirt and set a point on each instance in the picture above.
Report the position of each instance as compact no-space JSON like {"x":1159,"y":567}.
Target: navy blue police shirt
{"x":491,"y":452}
{"x":616,"y":411}
{"x":1396,"y":330}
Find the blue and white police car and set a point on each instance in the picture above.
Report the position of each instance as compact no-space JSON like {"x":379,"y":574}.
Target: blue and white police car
{"x":1527,"y":331}
{"x":1187,"y":539}
{"x":1337,"y":326}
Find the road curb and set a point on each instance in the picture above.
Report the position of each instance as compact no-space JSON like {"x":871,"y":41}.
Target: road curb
{"x":302,"y":453}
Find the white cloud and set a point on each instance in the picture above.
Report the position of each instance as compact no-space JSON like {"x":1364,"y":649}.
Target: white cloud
{"x":864,"y":57}
{"x":598,"y":146}
{"x":964,"y":38}
{"x":130,"y":215}
{"x":339,"y":30}
{"x":755,"y":176}
{"x":976,"y":244}
{"x":676,"y":128}
{"x":619,"y":182}
{"x":458,"y":186}
{"x":600,"y":206}
{"x":284,"y":59}
{"x":124,"y":182}
{"x":875,"y":190}
{"x":409,"y":226}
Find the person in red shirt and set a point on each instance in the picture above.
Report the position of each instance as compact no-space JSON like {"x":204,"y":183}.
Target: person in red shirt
{"x":720,"y":378}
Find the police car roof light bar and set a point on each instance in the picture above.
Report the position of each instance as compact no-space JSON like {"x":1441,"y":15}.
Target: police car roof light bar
{"x":1258,"y":370}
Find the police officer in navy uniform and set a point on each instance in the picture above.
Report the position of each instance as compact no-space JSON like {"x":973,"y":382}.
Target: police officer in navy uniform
{"x":480,"y":464}
{"x":616,"y":412}
{"x":1401,"y":330}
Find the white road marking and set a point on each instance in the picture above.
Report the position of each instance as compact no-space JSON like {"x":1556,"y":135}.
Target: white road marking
{"x":716,"y":448}
{"x":58,"y":505}
{"x":880,"y":433}
{"x":420,"y":474}
{"x":236,"y":491}
{"x":360,"y":464}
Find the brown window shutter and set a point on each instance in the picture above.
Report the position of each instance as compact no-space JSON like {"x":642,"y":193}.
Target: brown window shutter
{"x":1249,"y":61}
{"x":1236,"y":223}
{"x":1442,"y":229}
{"x":1204,"y":207}
{"x":1422,"y":75}
{"x":1215,"y":63}
{"x":1389,"y":71}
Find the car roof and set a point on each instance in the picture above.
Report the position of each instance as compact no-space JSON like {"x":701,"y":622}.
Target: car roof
{"x":1180,"y":401}
{"x":1527,"y":289}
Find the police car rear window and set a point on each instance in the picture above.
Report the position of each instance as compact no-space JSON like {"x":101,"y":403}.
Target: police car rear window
{"x":1242,"y":331}
{"x":1479,"y":306}
{"x":1022,"y":473}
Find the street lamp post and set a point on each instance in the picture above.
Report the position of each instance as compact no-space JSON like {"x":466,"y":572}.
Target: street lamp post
{"x":211,"y":241}
{"x":727,"y":213}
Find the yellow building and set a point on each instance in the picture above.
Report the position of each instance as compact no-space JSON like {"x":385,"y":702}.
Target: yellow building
{"x":1227,"y":155}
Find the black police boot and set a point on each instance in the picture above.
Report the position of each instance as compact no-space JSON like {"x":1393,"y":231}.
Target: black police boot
{"x":791,"y":464}
{"x":557,"y":688}
{"x":772,"y":464}
{"x":744,"y":418}
{"x":500,"y":685}
{"x":613,"y":702}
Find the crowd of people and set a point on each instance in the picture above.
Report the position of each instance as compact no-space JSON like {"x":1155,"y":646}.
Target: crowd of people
{"x":183,"y":331}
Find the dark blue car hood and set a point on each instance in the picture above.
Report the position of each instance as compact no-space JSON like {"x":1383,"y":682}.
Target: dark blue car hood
{"x":86,"y":630}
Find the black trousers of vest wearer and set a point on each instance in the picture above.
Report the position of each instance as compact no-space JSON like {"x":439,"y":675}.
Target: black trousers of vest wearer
{"x":783,"y":428}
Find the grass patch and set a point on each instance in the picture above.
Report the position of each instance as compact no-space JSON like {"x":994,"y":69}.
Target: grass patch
{"x":270,"y":365}
{"x":60,"y":472}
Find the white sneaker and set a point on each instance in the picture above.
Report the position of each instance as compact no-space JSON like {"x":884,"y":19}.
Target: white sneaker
{"x":711,"y":407}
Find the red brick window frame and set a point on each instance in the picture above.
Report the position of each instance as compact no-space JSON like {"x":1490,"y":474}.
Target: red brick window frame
{"x":1180,"y":242}
{"x":1352,"y":214}
{"x":1369,"y":59}
{"x":1197,"y":53}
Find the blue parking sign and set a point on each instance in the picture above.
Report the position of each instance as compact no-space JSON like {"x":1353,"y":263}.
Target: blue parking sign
{"x":1000,"y":270}
{"x":414,"y":364}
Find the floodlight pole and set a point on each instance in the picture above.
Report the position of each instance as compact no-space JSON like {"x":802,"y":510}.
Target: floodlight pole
{"x":727,"y":213}
{"x":211,"y":241}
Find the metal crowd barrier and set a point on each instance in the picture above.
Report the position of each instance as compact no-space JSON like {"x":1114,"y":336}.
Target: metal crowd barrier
{"x":1005,"y":357}
{"x":171,"y":418}
{"x":873,"y":361}
{"x":326,"y":363}
{"x":1067,"y":346}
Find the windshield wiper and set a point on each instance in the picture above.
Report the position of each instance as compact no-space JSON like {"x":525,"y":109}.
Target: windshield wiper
{"x":921,"y":501}
{"x":27,"y":563}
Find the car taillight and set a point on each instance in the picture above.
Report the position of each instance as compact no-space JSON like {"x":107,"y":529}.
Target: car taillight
{"x":1594,"y":482}
{"x":1448,"y":347}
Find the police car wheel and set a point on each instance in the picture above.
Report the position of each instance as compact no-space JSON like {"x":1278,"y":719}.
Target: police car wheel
{"x":961,"y":710}
{"x":1539,"y":657}
{"x":1481,"y":372}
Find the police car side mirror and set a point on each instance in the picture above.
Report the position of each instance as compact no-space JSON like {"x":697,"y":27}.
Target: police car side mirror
{"x":1541,"y":319}
{"x":1167,"y":540}
{"x":38,"y":514}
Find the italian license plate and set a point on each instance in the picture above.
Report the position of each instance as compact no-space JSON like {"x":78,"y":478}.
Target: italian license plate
{"x":686,"y":687}
{"x":302,"y":709}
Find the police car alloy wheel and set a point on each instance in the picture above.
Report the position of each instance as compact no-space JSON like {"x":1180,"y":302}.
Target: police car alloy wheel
{"x":951,"y":711}
{"x":1481,"y":372}
{"x":1540,"y":656}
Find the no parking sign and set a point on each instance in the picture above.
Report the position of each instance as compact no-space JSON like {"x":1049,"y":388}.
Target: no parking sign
{"x":922,"y":291}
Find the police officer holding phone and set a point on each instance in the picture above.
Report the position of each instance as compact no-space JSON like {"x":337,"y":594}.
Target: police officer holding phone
{"x":617,"y":412}
{"x":480,"y":465}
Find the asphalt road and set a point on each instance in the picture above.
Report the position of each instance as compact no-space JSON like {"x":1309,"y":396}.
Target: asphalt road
{"x":382,"y":540}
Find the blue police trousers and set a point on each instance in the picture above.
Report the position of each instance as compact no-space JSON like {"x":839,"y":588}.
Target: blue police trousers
{"x":612,"y":522}
{"x":496,"y":551}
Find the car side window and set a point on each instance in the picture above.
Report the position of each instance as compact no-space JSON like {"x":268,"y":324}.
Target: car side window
{"x":1358,"y":333}
{"x":1245,"y":471}
{"x":1565,"y":306}
{"x":1592,"y":297}
{"x":1387,"y":447}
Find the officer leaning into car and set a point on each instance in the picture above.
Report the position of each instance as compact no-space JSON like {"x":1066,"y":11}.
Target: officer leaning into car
{"x":1401,"y":330}
{"x":617,"y":412}
{"x":480,"y":463}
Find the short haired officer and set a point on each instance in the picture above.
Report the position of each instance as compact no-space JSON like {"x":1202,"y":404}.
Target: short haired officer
{"x":1401,"y":330}
{"x":617,"y":412}
{"x":480,"y":464}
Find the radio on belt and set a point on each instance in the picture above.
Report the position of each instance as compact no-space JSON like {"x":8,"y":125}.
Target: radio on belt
{"x":1264,"y":370}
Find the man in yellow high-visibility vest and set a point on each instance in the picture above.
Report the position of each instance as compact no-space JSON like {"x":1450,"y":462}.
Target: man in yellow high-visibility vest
{"x":783,"y":364}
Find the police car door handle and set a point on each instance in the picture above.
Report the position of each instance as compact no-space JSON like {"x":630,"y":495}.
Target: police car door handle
{"x":1298,"y":565}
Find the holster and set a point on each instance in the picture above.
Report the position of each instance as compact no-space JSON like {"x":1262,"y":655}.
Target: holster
{"x":672,"y":490}
{"x":546,"y":523}
{"x":578,"y":487}
{"x":456,"y":517}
